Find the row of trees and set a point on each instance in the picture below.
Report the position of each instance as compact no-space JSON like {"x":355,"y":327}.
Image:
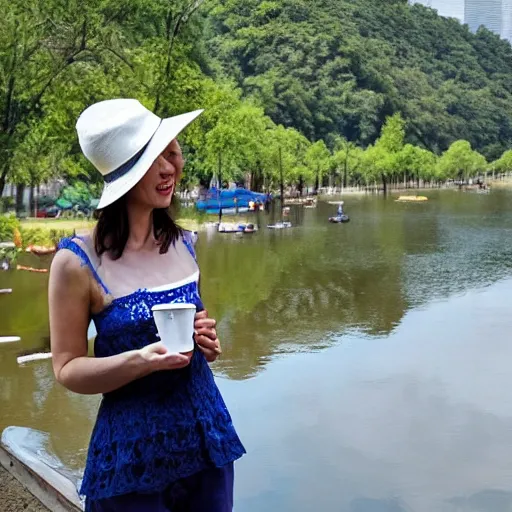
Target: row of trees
{"x":251,"y":142}
{"x":58,"y":57}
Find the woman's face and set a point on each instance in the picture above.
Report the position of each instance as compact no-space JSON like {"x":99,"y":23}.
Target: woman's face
{"x":156,"y":188}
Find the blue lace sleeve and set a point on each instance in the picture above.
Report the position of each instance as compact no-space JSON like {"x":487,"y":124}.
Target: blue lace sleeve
{"x":71,"y":245}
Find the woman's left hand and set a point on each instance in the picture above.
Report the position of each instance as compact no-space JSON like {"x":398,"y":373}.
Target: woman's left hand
{"x":205,"y":336}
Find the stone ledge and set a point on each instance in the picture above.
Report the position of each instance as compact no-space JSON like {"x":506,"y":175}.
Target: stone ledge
{"x":14,"y":497}
{"x":53,"y":490}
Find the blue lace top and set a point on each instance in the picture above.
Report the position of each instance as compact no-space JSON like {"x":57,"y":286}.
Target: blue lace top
{"x":162,"y":427}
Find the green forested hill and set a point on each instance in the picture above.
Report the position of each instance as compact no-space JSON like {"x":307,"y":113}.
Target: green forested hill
{"x":332,"y":67}
{"x":357,"y":91}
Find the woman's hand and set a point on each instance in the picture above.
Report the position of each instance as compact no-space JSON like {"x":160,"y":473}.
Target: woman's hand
{"x":205,"y":336}
{"x":158,"y":358}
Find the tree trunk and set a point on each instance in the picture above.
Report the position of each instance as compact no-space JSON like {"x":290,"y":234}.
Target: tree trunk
{"x":384,"y":184}
{"x":3,"y":179}
{"x":301,"y":185}
{"x":31,"y":202}
{"x":20,"y":189}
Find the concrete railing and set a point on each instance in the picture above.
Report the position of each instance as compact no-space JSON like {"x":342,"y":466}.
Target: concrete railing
{"x":23,"y":455}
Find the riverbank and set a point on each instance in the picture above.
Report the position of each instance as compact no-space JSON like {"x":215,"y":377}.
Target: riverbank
{"x":47,"y":232}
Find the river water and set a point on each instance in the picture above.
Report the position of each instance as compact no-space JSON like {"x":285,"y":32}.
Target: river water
{"x":367,"y":366}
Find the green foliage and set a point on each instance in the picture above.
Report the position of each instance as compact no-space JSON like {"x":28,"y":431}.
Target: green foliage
{"x":318,"y":159}
{"x":44,"y":237}
{"x":417,"y":163}
{"x":505,"y":162}
{"x":80,"y":193}
{"x":340,"y":67}
{"x":356,"y":90}
{"x":8,"y":225}
{"x":460,"y":161}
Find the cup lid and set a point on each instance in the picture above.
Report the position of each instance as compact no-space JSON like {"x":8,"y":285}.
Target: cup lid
{"x":168,"y":307}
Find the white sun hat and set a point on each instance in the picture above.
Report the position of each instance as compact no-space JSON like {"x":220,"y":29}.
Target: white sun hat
{"x":122,"y":139}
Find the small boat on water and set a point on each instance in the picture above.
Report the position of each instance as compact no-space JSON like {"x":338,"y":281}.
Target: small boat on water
{"x":411,"y":199}
{"x":40,"y":250}
{"x":250,"y":228}
{"x":280,"y":225}
{"x":40,"y":356}
{"x":9,"y":339}
{"x":232,"y":227}
{"x":301,"y":200}
{"x":229,"y":227}
{"x":31,"y":269}
{"x":339,"y":219}
{"x":4,"y":291}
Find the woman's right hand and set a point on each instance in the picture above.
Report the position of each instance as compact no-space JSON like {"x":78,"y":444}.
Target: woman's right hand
{"x":159,"y":358}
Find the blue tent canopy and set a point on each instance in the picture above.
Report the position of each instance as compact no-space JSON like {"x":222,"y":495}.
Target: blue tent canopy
{"x":216,"y":199}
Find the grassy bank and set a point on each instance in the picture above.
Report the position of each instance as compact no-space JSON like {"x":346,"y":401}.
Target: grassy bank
{"x":49,"y":231}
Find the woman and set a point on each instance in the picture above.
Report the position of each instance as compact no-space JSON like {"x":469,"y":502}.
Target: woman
{"x":163,"y":439}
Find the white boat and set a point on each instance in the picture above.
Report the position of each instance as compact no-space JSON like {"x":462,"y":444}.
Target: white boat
{"x":280,"y":225}
{"x":9,"y":339}
{"x":40,"y":356}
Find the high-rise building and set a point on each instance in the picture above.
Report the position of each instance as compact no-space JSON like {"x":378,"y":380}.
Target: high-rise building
{"x":496,"y":15}
{"x":447,"y":8}
{"x":506,"y":25}
{"x":483,"y":12}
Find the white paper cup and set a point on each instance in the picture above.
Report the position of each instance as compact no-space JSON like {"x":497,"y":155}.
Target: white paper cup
{"x":175,"y":325}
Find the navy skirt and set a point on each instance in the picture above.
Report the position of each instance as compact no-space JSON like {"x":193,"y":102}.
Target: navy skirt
{"x":210,"y":490}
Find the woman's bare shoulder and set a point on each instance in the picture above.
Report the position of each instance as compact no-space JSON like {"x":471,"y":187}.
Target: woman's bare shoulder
{"x":67,"y":266}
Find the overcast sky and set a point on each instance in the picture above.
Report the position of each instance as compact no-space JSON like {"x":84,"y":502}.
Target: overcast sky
{"x":448,"y":8}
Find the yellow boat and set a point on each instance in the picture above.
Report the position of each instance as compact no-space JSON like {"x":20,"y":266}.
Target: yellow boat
{"x":411,"y":199}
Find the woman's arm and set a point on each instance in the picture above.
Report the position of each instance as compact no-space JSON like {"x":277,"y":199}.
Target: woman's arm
{"x":70,"y":305}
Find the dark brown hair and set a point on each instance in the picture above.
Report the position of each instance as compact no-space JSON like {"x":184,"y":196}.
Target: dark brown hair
{"x":112,"y":229}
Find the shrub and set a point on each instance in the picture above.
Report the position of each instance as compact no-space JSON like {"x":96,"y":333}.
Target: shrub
{"x":8,"y":226}
{"x":41,"y":236}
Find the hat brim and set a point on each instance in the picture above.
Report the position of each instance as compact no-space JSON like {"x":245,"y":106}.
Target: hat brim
{"x":168,"y":130}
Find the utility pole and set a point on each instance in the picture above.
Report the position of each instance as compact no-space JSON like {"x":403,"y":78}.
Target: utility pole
{"x":220,"y":187}
{"x":281,"y":177}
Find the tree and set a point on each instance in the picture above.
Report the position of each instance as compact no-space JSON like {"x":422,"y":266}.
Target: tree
{"x":317,"y":158}
{"x":388,"y":147}
{"x":504,"y":164}
{"x":284,"y":157}
{"x":39,"y":41}
{"x":346,"y":159}
{"x":460,"y":161}
{"x":416,"y":163}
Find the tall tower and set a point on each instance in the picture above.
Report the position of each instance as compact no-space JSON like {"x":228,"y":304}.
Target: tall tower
{"x":484,"y":12}
{"x":506,"y":20}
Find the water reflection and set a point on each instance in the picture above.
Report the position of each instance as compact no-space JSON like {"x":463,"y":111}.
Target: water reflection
{"x":407,"y":420}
